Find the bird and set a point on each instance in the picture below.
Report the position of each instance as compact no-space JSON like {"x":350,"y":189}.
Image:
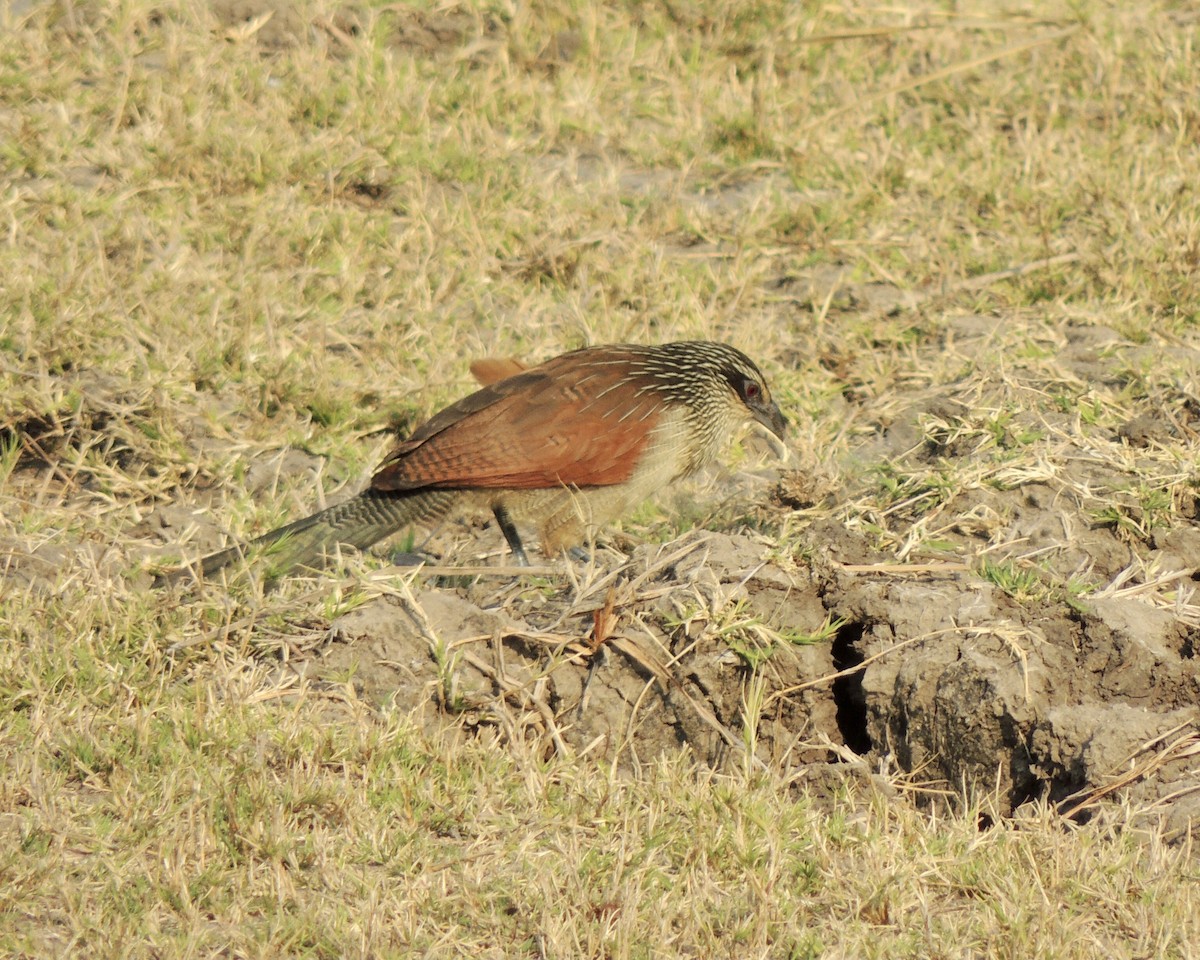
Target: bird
{"x":568,"y":446}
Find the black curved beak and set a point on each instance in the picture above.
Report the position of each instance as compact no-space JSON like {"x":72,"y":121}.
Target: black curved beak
{"x":771,"y":417}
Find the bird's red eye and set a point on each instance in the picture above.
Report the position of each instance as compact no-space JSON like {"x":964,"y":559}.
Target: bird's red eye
{"x":752,"y":390}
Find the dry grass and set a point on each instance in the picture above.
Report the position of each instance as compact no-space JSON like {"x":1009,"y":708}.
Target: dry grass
{"x":223,"y":237}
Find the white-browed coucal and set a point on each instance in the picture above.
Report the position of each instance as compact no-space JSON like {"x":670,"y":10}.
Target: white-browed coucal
{"x":568,"y":446}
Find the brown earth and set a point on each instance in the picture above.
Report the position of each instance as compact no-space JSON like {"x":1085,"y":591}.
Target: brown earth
{"x":962,"y":686}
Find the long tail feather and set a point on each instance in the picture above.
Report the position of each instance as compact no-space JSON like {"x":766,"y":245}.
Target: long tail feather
{"x":358,"y":522}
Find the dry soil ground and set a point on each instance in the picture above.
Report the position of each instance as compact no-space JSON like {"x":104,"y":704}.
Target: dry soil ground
{"x":927,"y":687}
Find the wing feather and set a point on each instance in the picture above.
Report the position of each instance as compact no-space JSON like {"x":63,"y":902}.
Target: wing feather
{"x":565,"y":422}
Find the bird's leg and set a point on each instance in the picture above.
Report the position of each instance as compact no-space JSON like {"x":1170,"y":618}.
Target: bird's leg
{"x":510,"y":534}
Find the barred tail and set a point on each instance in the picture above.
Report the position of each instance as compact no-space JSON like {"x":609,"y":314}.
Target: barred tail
{"x":358,"y":522}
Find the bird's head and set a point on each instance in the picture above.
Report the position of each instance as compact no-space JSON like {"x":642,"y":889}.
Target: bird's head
{"x":707,"y":371}
{"x":750,"y":387}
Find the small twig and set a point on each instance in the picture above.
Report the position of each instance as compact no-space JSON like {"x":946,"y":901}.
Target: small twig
{"x":904,"y":569}
{"x":858,"y":667}
{"x":960,"y":23}
{"x":479,"y":570}
{"x":987,"y":279}
{"x":334,"y":31}
{"x":1184,"y":746}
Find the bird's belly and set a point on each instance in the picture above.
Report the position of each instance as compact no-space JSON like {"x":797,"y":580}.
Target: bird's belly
{"x":566,"y":516}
